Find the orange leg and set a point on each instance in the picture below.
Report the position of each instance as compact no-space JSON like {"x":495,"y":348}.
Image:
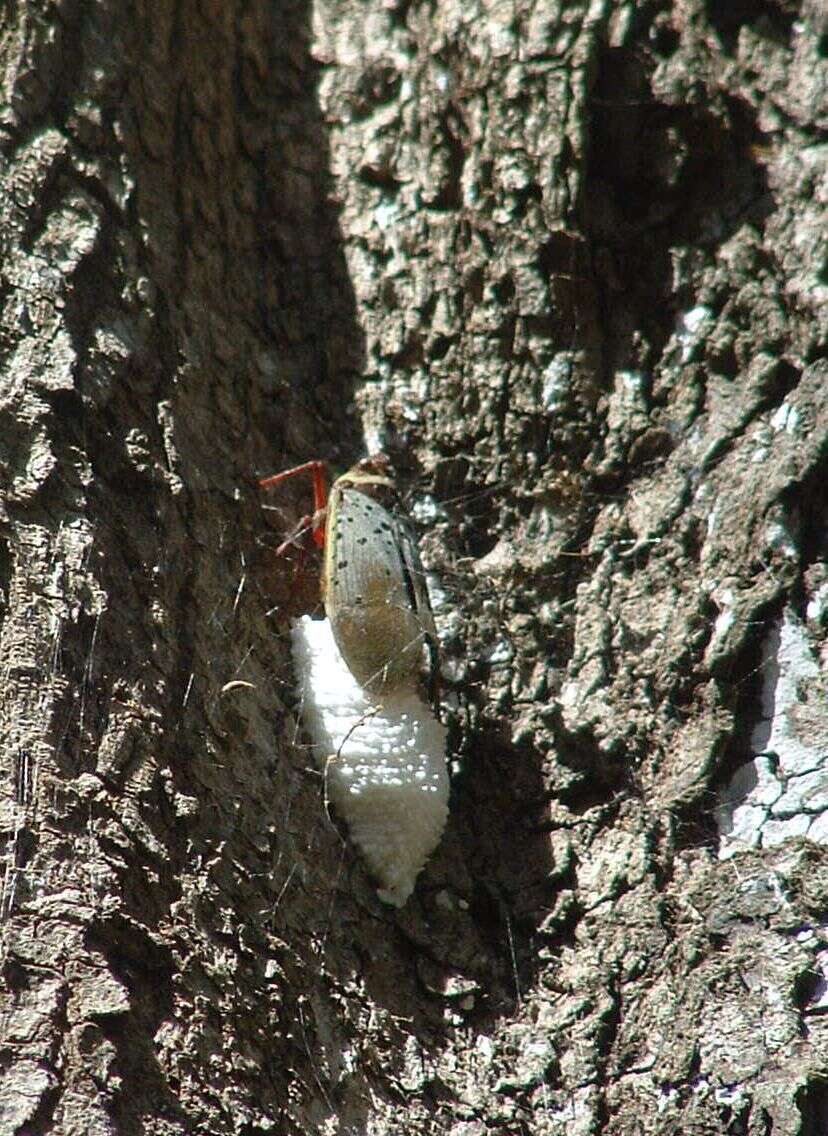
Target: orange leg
{"x":320,"y":498}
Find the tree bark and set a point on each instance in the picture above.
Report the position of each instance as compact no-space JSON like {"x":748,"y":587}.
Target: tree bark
{"x":566,"y":264}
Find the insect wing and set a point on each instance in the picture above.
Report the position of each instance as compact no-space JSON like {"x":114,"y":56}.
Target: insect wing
{"x":417,"y":587}
{"x":362,"y":560}
{"x":373,"y":588}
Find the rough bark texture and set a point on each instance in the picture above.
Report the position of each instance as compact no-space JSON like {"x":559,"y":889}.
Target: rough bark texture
{"x":567,"y":264}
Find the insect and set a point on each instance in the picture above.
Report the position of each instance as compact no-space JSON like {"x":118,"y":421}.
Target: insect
{"x":381,"y":748}
{"x":373,"y":585}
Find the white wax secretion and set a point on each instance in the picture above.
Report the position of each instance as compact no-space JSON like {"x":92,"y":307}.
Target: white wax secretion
{"x":384,"y":759}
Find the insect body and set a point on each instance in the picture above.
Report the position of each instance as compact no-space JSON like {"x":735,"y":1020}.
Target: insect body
{"x":381,"y":747}
{"x":373,"y":585}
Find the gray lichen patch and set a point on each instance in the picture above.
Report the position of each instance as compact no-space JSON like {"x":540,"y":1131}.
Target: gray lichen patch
{"x":783,"y":790}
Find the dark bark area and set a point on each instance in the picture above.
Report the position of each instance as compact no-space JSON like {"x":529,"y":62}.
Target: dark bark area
{"x":566,"y":264}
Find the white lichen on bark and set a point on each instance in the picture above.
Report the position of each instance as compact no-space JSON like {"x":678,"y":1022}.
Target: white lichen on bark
{"x":783,"y":790}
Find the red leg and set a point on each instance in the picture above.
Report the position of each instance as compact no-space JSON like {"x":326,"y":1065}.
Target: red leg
{"x":320,"y":495}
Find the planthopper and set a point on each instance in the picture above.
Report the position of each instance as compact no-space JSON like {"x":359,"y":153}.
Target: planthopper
{"x":373,"y":586}
{"x":382,"y":749}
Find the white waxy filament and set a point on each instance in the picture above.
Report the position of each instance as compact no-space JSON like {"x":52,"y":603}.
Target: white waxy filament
{"x":384,"y":760}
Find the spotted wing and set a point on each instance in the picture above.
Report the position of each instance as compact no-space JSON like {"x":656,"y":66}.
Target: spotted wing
{"x":375,"y":591}
{"x":417,"y":589}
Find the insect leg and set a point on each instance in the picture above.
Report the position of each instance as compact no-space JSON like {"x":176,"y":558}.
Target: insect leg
{"x":320,"y":494}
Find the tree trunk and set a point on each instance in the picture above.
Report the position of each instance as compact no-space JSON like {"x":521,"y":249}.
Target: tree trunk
{"x":566,"y":264}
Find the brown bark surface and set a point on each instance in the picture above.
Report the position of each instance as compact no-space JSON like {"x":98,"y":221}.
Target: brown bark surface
{"x":568,"y":265}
